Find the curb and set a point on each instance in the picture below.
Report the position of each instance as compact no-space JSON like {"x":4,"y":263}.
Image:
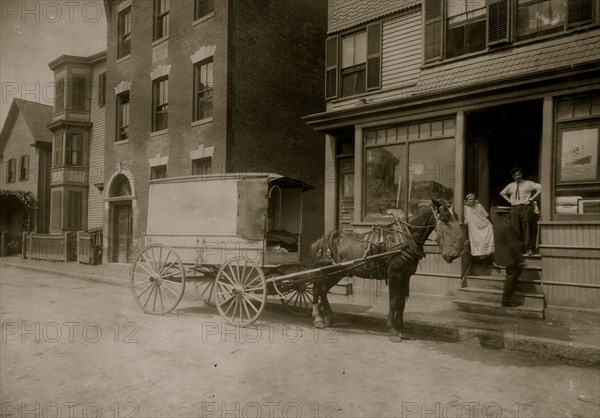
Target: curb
{"x":73,"y":275}
{"x":419,"y":330}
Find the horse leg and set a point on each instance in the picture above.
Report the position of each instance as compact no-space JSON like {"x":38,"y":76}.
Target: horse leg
{"x":392,"y":322}
{"x":317,"y":293}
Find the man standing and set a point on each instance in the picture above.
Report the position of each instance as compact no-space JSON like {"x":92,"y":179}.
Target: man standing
{"x":520,"y":194}
{"x":508,"y":254}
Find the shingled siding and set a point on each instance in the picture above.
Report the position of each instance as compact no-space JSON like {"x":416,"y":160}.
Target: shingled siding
{"x":96,"y":150}
{"x":552,"y":54}
{"x":19,"y":144}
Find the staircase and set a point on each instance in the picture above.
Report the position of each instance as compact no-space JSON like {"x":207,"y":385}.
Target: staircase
{"x":483,"y":284}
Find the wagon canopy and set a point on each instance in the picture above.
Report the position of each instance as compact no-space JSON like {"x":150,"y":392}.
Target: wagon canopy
{"x":221,"y":205}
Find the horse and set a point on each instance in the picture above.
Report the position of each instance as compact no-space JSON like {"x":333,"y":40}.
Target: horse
{"x":396,"y":268}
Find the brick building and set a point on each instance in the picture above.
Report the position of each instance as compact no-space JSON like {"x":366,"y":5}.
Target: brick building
{"x":25,"y":154}
{"x":437,"y":98}
{"x":206,"y":87}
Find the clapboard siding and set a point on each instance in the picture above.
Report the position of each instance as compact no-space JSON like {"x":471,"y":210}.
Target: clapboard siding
{"x":571,"y":275}
{"x":96,"y":173}
{"x":401,"y":49}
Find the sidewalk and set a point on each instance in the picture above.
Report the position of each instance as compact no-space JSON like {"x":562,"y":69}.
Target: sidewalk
{"x":564,"y":334}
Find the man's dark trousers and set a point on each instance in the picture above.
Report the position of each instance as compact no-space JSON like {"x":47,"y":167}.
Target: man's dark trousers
{"x":512,"y":276}
{"x":521,"y":219}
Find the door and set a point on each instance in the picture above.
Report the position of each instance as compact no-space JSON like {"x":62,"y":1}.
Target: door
{"x":121,"y":233}
{"x":345,"y":193}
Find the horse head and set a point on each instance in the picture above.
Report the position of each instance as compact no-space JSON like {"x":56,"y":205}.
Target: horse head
{"x":449,"y":232}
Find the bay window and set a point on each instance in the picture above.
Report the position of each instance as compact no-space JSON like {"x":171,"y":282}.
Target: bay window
{"x":74,"y":149}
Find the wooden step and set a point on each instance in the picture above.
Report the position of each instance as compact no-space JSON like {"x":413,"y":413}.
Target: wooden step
{"x":490,"y":308}
{"x":531,"y":272}
{"x":527,"y":300}
{"x":497,"y":282}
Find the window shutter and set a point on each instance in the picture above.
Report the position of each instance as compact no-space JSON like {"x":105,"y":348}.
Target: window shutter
{"x":331,"y":68}
{"x":102,"y":89}
{"x":374,"y":56}
{"x":498,"y":22}
{"x":580,"y":11}
{"x":26,"y":169}
{"x":433,"y":29}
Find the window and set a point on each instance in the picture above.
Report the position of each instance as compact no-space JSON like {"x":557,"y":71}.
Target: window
{"x":123,"y":116}
{"x":160,"y":100}
{"x":56,"y":207}
{"x":75,"y":209}
{"x":124,"y":33}
{"x":158,"y":172}
{"x":577,"y":173}
{"x":74,"y":149}
{"x":102,"y":89}
{"x":465,"y":27}
{"x":24,"y":168}
{"x":355,"y":60}
{"x":161,"y":19}
{"x":58,"y":150}
{"x":474,"y":25}
{"x":203,"y":90}
{"x":201,"y":166}
{"x":11,"y":170}
{"x":540,"y":17}
{"x":203,"y":8}
{"x":59,"y":95}
{"x":406,"y":165}
{"x":78,"y":93}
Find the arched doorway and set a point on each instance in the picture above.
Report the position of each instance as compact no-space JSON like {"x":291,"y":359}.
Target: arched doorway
{"x":120,"y":220}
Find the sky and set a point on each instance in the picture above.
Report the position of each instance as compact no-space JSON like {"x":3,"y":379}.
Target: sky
{"x":35,"y":32}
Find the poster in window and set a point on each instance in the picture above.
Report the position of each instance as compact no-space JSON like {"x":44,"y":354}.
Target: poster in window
{"x":578,"y":159}
{"x":588,"y":206}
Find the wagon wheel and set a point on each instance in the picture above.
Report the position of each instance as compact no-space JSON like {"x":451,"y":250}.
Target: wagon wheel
{"x":205,"y":290}
{"x":157,"y":279}
{"x":297,"y":298}
{"x":240,"y":291}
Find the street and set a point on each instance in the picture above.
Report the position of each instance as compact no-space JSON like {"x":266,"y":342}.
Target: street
{"x":78,"y":348}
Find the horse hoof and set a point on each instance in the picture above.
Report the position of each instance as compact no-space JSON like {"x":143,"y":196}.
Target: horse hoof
{"x":319,"y":325}
{"x":396,"y":338}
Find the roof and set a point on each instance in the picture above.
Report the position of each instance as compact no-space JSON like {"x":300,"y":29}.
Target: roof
{"x":36,"y":115}
{"x":344,"y":14}
{"x":509,"y":63}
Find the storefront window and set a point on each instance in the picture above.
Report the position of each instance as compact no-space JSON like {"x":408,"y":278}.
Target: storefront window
{"x":408,"y":165}
{"x":577,"y":173}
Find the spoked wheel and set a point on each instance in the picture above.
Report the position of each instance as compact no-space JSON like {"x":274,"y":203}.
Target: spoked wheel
{"x":297,"y":297}
{"x":157,"y":279}
{"x":206,"y":291}
{"x":240,"y":291}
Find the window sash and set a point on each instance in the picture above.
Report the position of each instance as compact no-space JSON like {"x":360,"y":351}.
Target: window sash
{"x":161,"y":19}
{"x":204,"y":84}
{"x":123,"y":116}
{"x":124,"y":35}
{"x":201,"y":166}
{"x":540,"y":17}
{"x":74,"y":149}
{"x":58,"y":150}
{"x":78,"y":93}
{"x":161,"y":104}
{"x":354,"y":50}
{"x":24,"y":168}
{"x":59,"y":101}
{"x":74,"y":205}
{"x":102,"y":90}
{"x":56,"y":209}
{"x":203,"y":8}
{"x":158,"y":172}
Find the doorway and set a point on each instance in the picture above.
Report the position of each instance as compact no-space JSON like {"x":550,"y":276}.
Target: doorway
{"x":121,"y":232}
{"x":498,"y":139}
{"x":345,"y":193}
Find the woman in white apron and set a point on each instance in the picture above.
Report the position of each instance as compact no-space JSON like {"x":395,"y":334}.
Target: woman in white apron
{"x":481,"y":234}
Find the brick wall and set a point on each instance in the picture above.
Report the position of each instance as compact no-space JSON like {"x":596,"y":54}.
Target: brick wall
{"x":269,"y":136}
{"x":277,"y":54}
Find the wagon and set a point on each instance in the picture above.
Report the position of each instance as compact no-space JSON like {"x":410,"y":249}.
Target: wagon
{"x":235,"y":237}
